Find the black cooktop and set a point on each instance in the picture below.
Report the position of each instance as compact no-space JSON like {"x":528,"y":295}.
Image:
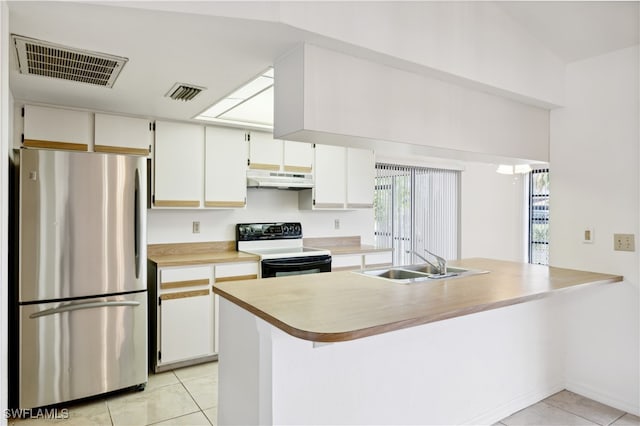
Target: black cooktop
{"x":268,"y":231}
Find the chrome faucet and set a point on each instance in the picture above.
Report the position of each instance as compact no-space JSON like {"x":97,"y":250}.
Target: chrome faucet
{"x":442,"y":262}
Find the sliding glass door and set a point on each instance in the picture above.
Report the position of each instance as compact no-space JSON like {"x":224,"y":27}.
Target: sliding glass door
{"x":417,"y":208}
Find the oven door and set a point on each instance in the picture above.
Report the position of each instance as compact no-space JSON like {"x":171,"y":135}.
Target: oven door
{"x":295,"y":266}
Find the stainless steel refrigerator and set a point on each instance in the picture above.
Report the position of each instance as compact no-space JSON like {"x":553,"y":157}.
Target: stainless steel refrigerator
{"x":80,"y":304}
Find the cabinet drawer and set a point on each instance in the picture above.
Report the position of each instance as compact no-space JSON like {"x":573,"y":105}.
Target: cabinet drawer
{"x":185,"y":277}
{"x":346,"y":261}
{"x":236,"y":271}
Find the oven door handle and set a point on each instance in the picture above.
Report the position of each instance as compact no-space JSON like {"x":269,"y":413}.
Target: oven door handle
{"x":277,"y":264}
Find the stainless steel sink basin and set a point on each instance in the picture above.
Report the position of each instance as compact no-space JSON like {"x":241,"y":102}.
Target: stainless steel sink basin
{"x":396,"y":274}
{"x":418,"y":273}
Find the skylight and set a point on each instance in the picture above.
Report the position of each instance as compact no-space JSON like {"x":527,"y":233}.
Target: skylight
{"x":251,"y":104}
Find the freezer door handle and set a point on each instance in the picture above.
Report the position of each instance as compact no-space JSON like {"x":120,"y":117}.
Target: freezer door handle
{"x":78,"y":306}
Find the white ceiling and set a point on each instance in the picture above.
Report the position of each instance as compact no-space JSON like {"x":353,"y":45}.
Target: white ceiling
{"x":222,"y":53}
{"x":575,"y":30}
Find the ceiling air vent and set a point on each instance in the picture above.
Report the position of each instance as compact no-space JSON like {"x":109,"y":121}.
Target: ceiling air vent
{"x":47,"y":59}
{"x":184,"y":92}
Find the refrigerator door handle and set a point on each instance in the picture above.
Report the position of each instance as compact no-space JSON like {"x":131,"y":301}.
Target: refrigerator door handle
{"x":78,"y":306}
{"x":136,"y":223}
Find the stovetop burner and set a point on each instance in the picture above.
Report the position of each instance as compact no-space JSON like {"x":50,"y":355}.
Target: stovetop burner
{"x":274,"y":240}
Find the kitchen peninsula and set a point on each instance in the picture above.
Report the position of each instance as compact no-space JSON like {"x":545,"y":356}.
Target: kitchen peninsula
{"x":345,"y":348}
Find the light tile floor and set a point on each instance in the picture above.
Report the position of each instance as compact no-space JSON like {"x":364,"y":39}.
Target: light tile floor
{"x":188,"y":396}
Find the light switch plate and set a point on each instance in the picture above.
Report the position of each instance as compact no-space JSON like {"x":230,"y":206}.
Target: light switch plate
{"x":587,"y":235}
{"x":624,"y":242}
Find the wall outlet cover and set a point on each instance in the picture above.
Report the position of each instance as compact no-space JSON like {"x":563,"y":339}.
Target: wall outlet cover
{"x":624,"y":242}
{"x":587,"y":235}
{"x":196,"y":227}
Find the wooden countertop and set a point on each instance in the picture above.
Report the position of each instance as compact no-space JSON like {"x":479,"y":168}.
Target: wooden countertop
{"x":341,"y":306}
{"x":360,"y":249}
{"x":343,"y":245}
{"x":183,"y":254}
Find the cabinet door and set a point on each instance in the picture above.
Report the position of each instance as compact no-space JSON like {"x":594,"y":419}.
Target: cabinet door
{"x":225,"y":167}
{"x":123,"y":135}
{"x":298,"y":157}
{"x":57,"y":128}
{"x":186,"y":303}
{"x":329,"y":175}
{"x":361,"y":172}
{"x":186,"y":325}
{"x":265,"y":153}
{"x":178,"y":165}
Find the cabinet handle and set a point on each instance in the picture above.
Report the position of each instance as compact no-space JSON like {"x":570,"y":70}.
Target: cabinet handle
{"x":187,"y":283}
{"x":184,"y":294}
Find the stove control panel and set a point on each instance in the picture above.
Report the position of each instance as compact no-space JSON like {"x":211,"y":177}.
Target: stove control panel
{"x":268,"y":231}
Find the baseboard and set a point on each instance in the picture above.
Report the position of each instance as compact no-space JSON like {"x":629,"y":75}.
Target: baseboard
{"x":498,"y":413}
{"x":598,"y":395}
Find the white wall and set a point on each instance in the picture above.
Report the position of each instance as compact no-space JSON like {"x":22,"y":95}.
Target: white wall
{"x":493,"y":215}
{"x":5,"y":142}
{"x":263,"y":205}
{"x":595,"y":182}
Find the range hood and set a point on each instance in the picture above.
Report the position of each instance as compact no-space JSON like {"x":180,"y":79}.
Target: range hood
{"x":279,"y":180}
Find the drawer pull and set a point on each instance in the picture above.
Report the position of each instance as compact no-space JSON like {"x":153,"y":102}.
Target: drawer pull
{"x":184,"y":294}
{"x":181,"y":284}
{"x":236,"y":278}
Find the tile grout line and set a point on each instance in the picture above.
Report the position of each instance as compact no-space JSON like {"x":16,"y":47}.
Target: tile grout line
{"x":578,"y":415}
{"x":196,"y":402}
{"x":615,"y":420}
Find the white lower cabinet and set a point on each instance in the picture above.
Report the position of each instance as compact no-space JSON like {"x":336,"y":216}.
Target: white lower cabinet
{"x":185,"y":316}
{"x":186,"y":325}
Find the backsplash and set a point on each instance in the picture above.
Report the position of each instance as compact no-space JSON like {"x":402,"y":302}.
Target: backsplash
{"x":263,"y":205}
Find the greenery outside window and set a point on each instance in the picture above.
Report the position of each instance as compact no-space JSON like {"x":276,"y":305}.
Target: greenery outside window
{"x":539,"y":217}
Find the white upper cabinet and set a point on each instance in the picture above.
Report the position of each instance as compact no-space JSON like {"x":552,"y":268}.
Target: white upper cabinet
{"x":361,"y":166}
{"x":57,"y":128}
{"x":344,"y":178}
{"x":298,"y":157}
{"x":329,"y":177}
{"x":265,"y":153}
{"x":123,"y":135}
{"x":226,"y":154}
{"x":178,"y":165}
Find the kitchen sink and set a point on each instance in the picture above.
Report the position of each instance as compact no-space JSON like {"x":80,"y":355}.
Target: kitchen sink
{"x":418,"y":273}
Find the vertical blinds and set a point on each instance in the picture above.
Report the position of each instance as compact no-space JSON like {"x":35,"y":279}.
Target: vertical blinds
{"x":417,"y":208}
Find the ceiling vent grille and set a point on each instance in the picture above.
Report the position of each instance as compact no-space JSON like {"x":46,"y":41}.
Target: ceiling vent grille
{"x":37,"y":57}
{"x":184,"y":92}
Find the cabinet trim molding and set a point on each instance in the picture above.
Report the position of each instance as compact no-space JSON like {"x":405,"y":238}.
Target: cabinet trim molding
{"x":359,"y":205}
{"x":184,"y":294}
{"x":225,"y":203}
{"x":121,"y":150}
{"x":329,"y":205}
{"x":186,"y":283}
{"x":236,"y":278}
{"x":298,"y":169}
{"x":263,"y":166}
{"x":176,"y":203}
{"x":32,"y":143}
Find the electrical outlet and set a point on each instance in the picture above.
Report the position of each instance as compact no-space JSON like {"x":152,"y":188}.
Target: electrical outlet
{"x":336,"y":224}
{"x":624,"y":242}
{"x":196,"y":227}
